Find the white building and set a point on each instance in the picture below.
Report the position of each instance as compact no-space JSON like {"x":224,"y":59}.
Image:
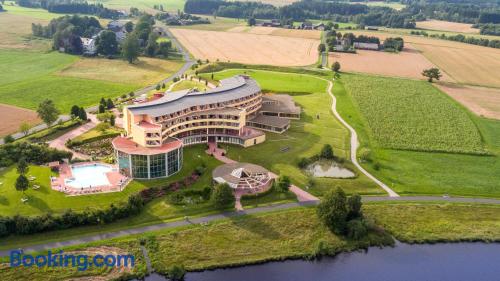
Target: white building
{"x":89,"y":47}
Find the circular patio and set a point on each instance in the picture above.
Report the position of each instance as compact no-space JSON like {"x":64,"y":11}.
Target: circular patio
{"x":243,"y":177}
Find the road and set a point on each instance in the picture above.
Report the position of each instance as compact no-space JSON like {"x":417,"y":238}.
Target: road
{"x":210,"y":218}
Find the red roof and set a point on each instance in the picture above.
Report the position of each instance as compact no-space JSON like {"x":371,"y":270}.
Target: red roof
{"x":128,"y":146}
{"x":148,"y":125}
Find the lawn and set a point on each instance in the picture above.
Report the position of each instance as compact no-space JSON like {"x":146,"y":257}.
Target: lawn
{"x":96,"y":133}
{"x":47,"y":200}
{"x":189,"y":84}
{"x":168,"y":5}
{"x":33,"y":77}
{"x":145,"y":71}
{"x":423,"y":223}
{"x":305,"y":137}
{"x":39,"y":14}
{"x":414,"y":172}
{"x":412,"y":115}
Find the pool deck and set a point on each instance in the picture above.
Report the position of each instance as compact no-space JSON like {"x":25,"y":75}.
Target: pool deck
{"x":117,"y":181}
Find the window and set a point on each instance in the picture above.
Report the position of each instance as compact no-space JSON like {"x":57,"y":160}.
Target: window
{"x":157,"y":167}
{"x":140,"y":166}
{"x":173,"y":163}
{"x":123,"y":163}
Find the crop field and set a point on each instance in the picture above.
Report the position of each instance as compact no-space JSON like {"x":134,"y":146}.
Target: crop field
{"x":12,"y":117}
{"x":412,"y":115}
{"x":15,"y":33}
{"x":409,"y":63}
{"x":263,"y":30}
{"x":144,"y":71}
{"x":248,"y":48}
{"x":482,"y":101}
{"x":464,"y":63}
{"x":277,"y":3}
{"x":447,"y":26}
{"x":306,"y":136}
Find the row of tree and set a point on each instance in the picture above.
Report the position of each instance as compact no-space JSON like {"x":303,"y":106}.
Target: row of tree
{"x":71,"y":7}
{"x":489,"y":29}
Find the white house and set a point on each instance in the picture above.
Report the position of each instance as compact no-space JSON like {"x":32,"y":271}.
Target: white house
{"x":89,"y":47}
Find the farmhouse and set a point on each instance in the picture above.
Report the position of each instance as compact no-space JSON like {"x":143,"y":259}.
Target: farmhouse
{"x":157,"y":130}
{"x":89,"y":47}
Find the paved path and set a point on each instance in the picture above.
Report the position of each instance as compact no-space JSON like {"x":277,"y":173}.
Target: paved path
{"x":38,"y":128}
{"x":60,"y":142}
{"x":355,"y":144}
{"x":206,"y":219}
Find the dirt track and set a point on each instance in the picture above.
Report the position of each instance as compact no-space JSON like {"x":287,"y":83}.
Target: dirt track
{"x":248,"y":48}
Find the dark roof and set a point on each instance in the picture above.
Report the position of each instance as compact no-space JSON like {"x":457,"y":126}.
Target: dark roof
{"x":279,"y":104}
{"x":231,"y":88}
{"x":272,"y":121}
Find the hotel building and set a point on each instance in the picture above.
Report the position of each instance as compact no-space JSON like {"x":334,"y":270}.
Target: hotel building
{"x":236,"y":112}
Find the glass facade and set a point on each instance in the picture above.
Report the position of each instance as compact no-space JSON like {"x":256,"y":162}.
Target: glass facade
{"x":140,"y":166}
{"x":157,"y":168}
{"x":123,"y":160}
{"x":173,"y":162}
{"x":152,"y":166}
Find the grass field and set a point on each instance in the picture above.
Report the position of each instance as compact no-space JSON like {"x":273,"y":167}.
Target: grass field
{"x":189,"y":84}
{"x":248,"y":48}
{"x":147,"y":5}
{"x":69,"y":80}
{"x":411,"y":172}
{"x":143,"y":72}
{"x":421,"y":223}
{"x":305,"y":137}
{"x":447,"y":26}
{"x":395,"y":5}
{"x":12,"y":117}
{"x":412,"y":115}
{"x":39,"y":14}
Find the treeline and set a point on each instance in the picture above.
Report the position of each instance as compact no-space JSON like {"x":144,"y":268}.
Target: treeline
{"x":11,"y":153}
{"x":234,"y":9}
{"x":379,"y":16}
{"x":464,"y":39}
{"x":488,"y":29}
{"x":71,"y":7}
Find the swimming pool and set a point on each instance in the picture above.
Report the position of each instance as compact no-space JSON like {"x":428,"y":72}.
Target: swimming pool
{"x":86,"y":176}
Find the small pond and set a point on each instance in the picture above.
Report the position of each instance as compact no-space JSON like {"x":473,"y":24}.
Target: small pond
{"x":329,"y":169}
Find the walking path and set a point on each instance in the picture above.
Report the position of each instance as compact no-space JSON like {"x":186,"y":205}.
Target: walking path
{"x":225,"y":215}
{"x":355,"y":144}
{"x":60,"y":142}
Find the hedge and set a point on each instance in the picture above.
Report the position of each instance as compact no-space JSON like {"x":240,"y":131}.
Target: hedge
{"x":72,"y":143}
{"x":219,"y":66}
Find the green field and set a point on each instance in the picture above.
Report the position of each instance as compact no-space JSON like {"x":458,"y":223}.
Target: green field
{"x":168,"y":5}
{"x":423,"y":223}
{"x":40,"y":14}
{"x":305,"y":137}
{"x":414,"y":172}
{"x":412,"y":115}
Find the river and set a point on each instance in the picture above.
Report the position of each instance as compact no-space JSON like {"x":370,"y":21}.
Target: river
{"x":440,"y":262}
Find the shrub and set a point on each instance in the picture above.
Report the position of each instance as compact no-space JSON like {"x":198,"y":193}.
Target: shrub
{"x":365,"y":154}
{"x":176,"y":273}
{"x":176,"y":198}
{"x":356,"y":229}
{"x":222,"y":196}
{"x":326,"y":152}
{"x":283,"y":184}
{"x":332,"y":211}
{"x":304,"y":162}
{"x":8,"y":139}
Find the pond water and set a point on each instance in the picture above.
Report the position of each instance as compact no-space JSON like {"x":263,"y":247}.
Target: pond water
{"x":329,"y":169}
{"x":439,"y":262}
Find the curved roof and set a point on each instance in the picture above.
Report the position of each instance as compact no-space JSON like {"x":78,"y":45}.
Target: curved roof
{"x":231,"y":88}
{"x":238,"y":174}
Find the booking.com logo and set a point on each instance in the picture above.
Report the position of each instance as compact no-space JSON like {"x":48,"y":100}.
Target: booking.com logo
{"x":81,"y":262}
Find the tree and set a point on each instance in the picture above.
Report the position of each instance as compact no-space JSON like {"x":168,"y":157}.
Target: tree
{"x":75,"y":111}
{"x":112,"y":120}
{"x":332,"y":211}
{"x":326,"y":152}
{"x":129,"y":26}
{"x":22,"y":183}
{"x":356,"y":229}
{"x":106,"y":43}
{"x":336,"y":66}
{"x":321,"y":48}
{"x":354,"y":205}
{"x":25,"y":128}
{"x":432,"y":73}
{"x":164,"y":49}
{"x":222,"y":196}
{"x":252,"y":21}
{"x":22,"y":166}
{"x":48,"y":112}
{"x":130,"y":48}
{"x":109,"y":104}
{"x":82,"y":114}
{"x":152,"y":45}
{"x":102,"y":108}
{"x":283,"y":183}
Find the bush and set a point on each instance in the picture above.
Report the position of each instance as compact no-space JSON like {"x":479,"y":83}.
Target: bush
{"x":304,"y":162}
{"x":365,"y":154}
{"x":176,"y":198}
{"x":332,"y":211}
{"x":356,"y":229}
{"x":326,"y":152}
{"x":222,"y":196}
{"x":283,"y":184}
{"x":32,"y":153}
{"x":176,"y":273}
